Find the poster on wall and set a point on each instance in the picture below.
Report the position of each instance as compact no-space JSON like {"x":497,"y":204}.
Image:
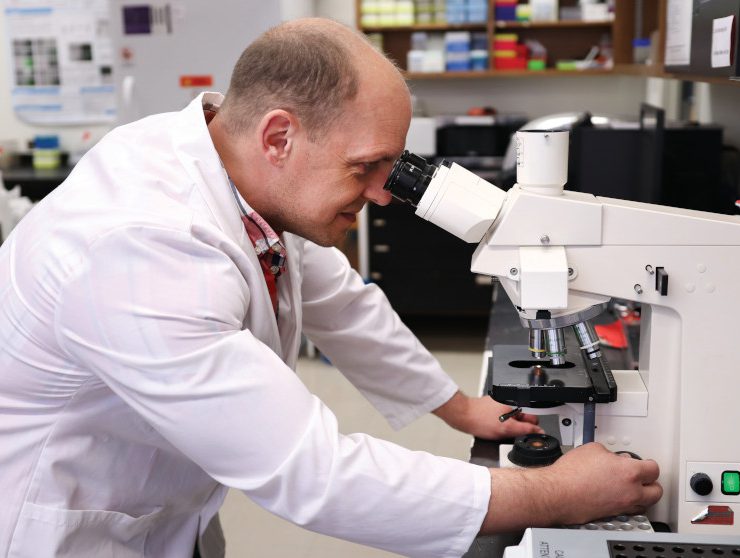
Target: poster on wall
{"x":61,"y":61}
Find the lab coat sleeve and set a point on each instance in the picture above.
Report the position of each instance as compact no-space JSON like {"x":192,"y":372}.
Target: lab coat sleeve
{"x":157,"y":316}
{"x":355,"y":326}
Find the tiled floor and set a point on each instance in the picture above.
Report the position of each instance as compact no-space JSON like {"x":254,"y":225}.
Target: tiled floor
{"x":252,"y":532}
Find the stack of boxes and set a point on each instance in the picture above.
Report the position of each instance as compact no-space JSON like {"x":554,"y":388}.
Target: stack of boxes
{"x":477,"y":11}
{"x":457,"y":51}
{"x":510,"y":10}
{"x":508,"y":54}
{"x":456,"y":11}
{"x":505,"y":10}
{"x":430,"y":11}
{"x":479,"y":52}
{"x":467,"y":11}
{"x":394,"y":13}
{"x":465,"y":51}
{"x":454,"y":51}
{"x":386,"y":13}
{"x":544,"y":10}
{"x":427,"y":53}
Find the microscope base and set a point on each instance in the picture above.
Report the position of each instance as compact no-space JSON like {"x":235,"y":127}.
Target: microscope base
{"x":599,"y":544}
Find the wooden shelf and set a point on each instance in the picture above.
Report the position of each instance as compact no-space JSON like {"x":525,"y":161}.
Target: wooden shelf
{"x":720,"y":80}
{"x":482,"y":26}
{"x":564,"y":40}
{"x":567,"y":24}
{"x":418,"y":76}
{"x":658,"y":72}
{"x":426,"y":27}
{"x":638,"y":70}
{"x":618,"y":70}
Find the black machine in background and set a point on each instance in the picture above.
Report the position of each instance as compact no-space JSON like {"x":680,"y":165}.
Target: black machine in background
{"x":678,"y":165}
{"x":477,"y":143}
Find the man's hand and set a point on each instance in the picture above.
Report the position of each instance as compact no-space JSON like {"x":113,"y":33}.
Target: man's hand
{"x":479,"y":416}
{"x":587,"y":483}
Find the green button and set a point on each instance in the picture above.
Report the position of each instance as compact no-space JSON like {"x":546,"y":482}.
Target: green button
{"x":731,"y":483}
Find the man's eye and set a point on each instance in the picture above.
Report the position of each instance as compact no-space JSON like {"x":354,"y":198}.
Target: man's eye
{"x":365,"y":168}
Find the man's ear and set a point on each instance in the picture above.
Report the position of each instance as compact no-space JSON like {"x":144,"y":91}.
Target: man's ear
{"x":277,"y":130}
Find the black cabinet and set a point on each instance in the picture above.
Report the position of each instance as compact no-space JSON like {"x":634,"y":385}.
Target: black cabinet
{"x":424,"y":270}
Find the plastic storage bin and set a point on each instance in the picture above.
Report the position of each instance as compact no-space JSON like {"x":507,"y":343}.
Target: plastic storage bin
{"x":46,"y":154}
{"x":641,"y":51}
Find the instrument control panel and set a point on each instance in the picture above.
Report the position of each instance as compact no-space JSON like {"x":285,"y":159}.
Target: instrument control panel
{"x":713,"y":482}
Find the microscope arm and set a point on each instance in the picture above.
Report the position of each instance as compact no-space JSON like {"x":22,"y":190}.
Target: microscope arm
{"x":569,"y":252}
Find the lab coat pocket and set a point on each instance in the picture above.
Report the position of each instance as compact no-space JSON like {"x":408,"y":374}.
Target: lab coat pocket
{"x":51,"y":532}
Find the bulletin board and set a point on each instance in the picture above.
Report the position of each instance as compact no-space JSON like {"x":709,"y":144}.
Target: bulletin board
{"x":61,"y":61}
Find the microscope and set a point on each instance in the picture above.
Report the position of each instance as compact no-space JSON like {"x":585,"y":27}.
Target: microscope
{"x":562,"y":256}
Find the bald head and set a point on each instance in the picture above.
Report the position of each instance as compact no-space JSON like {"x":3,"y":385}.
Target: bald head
{"x":310,"y":67}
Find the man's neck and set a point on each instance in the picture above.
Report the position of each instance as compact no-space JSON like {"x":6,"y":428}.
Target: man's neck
{"x":234,"y":156}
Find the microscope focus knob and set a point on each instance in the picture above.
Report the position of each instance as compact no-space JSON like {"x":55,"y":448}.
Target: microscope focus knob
{"x":701,"y":484}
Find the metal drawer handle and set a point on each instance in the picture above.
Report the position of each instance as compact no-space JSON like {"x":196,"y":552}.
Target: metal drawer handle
{"x":381,"y":248}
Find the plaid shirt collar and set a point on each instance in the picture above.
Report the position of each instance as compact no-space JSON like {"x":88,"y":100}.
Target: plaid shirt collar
{"x":266,"y":241}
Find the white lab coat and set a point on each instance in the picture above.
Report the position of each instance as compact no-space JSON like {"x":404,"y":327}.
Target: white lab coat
{"x":142,"y":372}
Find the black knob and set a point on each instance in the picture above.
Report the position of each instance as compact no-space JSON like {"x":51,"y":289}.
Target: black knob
{"x":535,"y":450}
{"x":701,"y":484}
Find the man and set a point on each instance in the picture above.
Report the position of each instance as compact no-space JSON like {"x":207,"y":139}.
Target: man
{"x":151,"y":310}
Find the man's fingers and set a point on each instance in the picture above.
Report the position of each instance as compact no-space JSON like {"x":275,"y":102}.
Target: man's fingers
{"x":526,"y":417}
{"x":649,"y":471}
{"x":519,"y":428}
{"x":652,"y":493}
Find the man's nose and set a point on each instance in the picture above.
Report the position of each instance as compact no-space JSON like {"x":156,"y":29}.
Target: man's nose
{"x":377,"y":194}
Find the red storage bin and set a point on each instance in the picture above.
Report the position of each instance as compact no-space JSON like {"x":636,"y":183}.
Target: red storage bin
{"x":510,"y":63}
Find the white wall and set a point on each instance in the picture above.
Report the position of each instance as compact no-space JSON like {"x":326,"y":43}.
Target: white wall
{"x":293,"y":9}
{"x":340,"y":10}
{"x":534,"y":96}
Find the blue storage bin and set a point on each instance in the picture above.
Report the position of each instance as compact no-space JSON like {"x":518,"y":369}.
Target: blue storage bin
{"x":506,"y":13}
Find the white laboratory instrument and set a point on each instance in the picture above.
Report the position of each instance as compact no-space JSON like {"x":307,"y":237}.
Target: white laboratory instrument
{"x":561,"y":256}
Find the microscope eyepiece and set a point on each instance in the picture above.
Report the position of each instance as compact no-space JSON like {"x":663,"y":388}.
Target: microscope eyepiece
{"x":409,"y":178}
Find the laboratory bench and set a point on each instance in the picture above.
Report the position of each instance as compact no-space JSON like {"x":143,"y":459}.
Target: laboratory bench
{"x":35,"y":183}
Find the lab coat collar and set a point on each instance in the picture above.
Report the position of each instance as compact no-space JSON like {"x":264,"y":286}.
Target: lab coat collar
{"x":198,"y":155}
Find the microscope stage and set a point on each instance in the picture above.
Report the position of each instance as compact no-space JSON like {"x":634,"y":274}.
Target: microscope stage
{"x":522,"y":381}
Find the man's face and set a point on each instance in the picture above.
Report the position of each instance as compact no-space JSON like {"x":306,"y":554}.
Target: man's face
{"x":330,"y":180}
